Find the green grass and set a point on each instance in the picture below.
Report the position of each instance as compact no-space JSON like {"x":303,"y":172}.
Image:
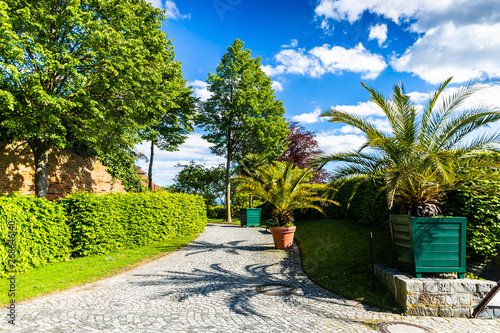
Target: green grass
{"x":79,"y":271}
{"x":336,"y":255}
{"x":235,"y":221}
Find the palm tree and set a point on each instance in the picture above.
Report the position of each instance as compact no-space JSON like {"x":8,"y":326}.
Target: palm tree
{"x":248,"y":166}
{"x":285,"y":187}
{"x":425,"y":152}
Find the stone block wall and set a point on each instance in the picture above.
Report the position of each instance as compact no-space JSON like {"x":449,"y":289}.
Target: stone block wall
{"x":67,"y":172}
{"x":434,"y":297}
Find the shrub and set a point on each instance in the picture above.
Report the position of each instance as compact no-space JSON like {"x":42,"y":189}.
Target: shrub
{"x":482,"y":211}
{"x":42,"y":235}
{"x":107,"y":223}
{"x":219,"y":212}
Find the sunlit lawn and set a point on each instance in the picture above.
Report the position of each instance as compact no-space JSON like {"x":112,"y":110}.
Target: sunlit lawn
{"x":79,"y":271}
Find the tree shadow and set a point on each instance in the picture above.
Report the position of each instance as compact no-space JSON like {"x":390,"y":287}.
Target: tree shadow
{"x":241,"y":286}
{"x":233,"y":247}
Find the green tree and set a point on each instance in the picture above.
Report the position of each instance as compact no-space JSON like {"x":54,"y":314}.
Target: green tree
{"x":426,"y":152}
{"x":286,"y":188}
{"x":195,"y":178}
{"x":242,"y":116}
{"x":173,"y":128}
{"x":82,"y":71}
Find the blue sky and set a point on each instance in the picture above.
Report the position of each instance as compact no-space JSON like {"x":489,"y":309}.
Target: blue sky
{"x":318,"y":51}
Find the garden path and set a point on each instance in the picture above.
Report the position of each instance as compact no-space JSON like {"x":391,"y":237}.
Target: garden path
{"x":214,"y":285}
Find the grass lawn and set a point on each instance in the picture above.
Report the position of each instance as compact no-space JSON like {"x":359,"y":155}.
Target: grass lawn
{"x":235,"y":221}
{"x":336,"y":255}
{"x":79,"y":271}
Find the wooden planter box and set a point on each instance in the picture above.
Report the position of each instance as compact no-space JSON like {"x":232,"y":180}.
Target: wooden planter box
{"x":429,"y":244}
{"x":250,"y":216}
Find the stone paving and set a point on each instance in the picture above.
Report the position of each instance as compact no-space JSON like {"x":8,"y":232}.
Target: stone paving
{"x":211,"y":286}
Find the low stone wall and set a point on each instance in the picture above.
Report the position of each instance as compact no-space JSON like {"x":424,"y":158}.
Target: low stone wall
{"x":434,"y":297}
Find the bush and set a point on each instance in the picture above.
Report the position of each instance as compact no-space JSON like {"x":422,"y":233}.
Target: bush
{"x":42,"y":235}
{"x":112,"y":222}
{"x":483,"y":218}
{"x":219,"y":212}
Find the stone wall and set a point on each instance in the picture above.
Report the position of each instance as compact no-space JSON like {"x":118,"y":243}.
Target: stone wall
{"x":67,"y":172}
{"x":434,"y":297}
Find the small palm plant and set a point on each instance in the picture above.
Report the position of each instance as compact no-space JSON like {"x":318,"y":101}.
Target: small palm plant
{"x":426,"y":151}
{"x":285,"y":187}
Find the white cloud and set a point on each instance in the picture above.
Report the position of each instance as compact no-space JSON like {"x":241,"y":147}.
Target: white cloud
{"x":332,"y":143}
{"x":293,"y":44}
{"x":195,"y":148}
{"x":456,"y":37}
{"x":272,"y":71}
{"x":378,"y":32}
{"x":326,"y":59}
{"x":171,"y":11}
{"x":351,"y":10}
{"x":309,"y":118}
{"x":277,"y":86}
{"x":348,"y":129}
{"x":418,"y":97}
{"x":464,"y":52}
{"x":200,"y":89}
{"x":362,"y":109}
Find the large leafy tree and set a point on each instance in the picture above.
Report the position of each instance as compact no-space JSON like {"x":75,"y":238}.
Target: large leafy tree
{"x":195,"y":178}
{"x":243,"y":115}
{"x":426,"y":152}
{"x":174,"y":127}
{"x":90,"y":71}
{"x":302,"y":148}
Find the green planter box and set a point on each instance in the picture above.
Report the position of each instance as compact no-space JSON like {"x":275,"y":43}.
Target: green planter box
{"x":429,"y":244}
{"x":250,"y":216}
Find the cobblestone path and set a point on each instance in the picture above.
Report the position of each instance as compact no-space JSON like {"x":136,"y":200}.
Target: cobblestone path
{"x":212,"y":285}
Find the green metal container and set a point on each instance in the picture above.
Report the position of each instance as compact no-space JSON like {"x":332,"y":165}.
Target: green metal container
{"x":250,"y":216}
{"x":429,"y":244}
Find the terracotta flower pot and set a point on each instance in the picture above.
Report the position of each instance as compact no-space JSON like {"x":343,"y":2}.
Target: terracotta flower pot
{"x":283,"y":236}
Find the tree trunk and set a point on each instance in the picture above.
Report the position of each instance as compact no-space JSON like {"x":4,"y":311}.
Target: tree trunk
{"x":150,"y":171}
{"x":250,"y":201}
{"x":228,"y":175}
{"x":40,"y":151}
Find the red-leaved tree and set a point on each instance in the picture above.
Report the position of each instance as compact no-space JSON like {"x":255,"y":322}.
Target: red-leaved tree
{"x":302,"y":147}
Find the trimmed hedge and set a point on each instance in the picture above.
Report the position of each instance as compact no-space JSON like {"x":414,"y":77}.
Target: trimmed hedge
{"x":42,"y":235}
{"x":219,"y":212}
{"x":112,"y":222}
{"x":483,"y":218}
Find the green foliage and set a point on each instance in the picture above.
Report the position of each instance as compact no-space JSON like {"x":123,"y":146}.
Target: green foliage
{"x":94,"y":71}
{"x":423,"y":153}
{"x":285,"y":187}
{"x":112,"y":222}
{"x":483,"y":217}
{"x":42,"y":237}
{"x":195,"y":178}
{"x":243,"y":115}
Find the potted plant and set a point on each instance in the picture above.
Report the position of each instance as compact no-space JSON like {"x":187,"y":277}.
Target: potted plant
{"x":423,"y":153}
{"x":285,"y":187}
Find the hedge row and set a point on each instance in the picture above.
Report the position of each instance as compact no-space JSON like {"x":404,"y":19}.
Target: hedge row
{"x":83,"y":224}
{"x":482,"y":211}
{"x":36,"y":228}
{"x":103,"y":224}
